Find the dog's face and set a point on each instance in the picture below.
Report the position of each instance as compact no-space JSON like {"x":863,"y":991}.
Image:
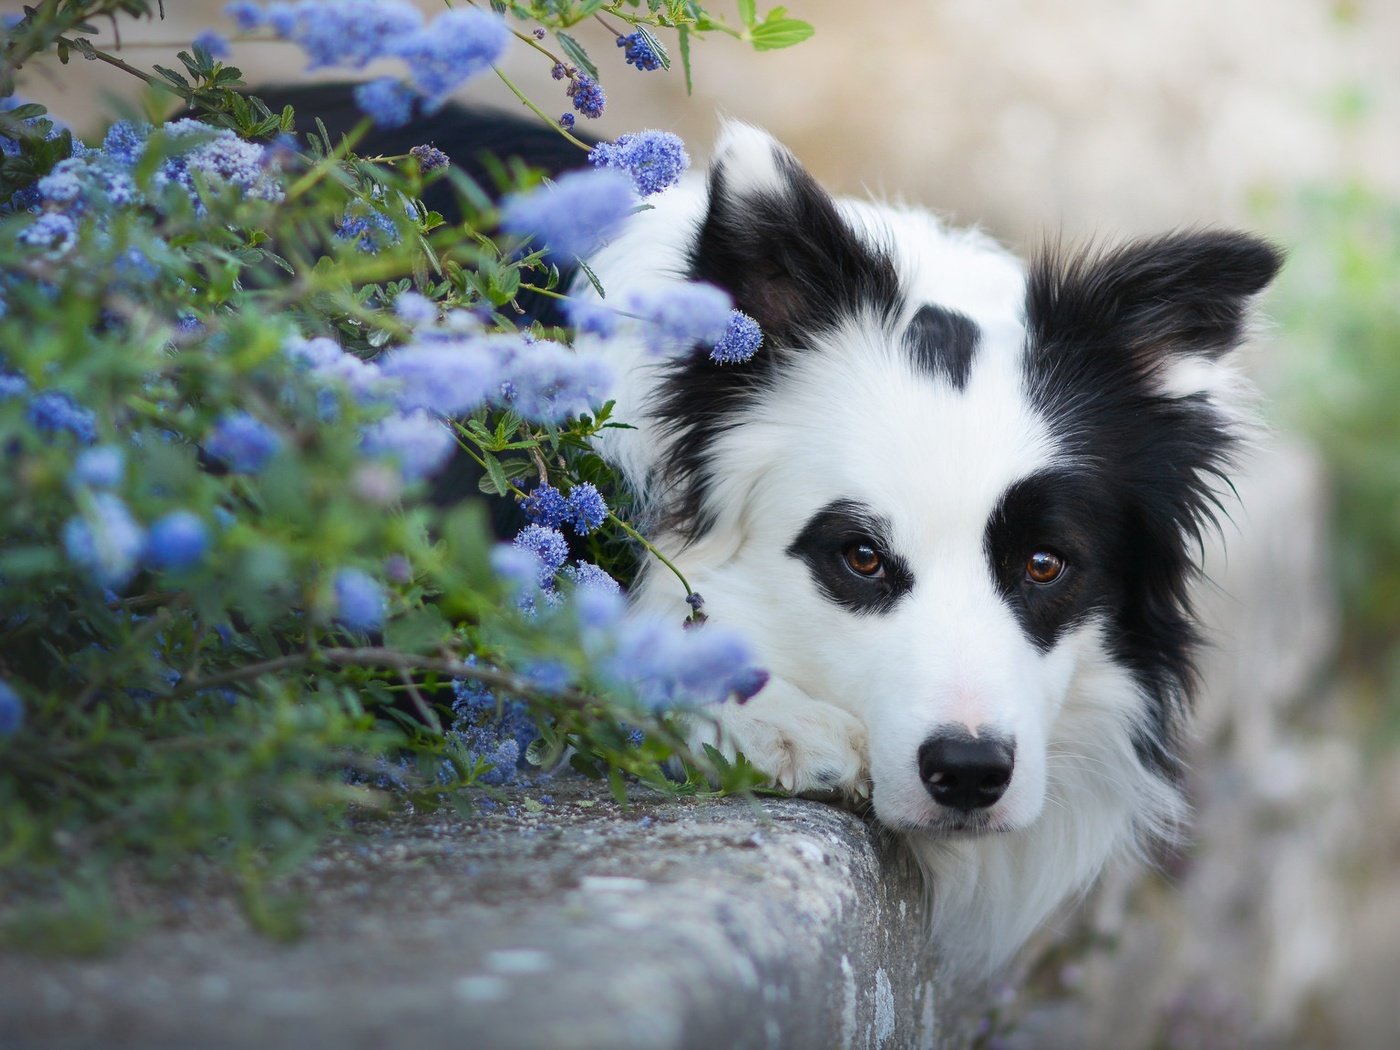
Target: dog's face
{"x":954,"y":489}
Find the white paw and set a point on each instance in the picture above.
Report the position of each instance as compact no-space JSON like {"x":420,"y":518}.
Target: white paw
{"x":804,"y":745}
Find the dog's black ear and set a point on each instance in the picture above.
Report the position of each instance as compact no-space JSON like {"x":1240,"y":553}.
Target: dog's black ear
{"x":775,"y":241}
{"x":1158,"y":300}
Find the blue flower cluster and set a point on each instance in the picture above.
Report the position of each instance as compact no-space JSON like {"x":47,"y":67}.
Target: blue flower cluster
{"x":440,"y":55}
{"x":97,"y":182}
{"x":359,"y":600}
{"x":105,"y":541}
{"x":655,"y":160}
{"x":681,"y":315}
{"x":739,"y":342}
{"x":488,"y":729}
{"x":449,"y":368}
{"x":11,"y":710}
{"x":573,"y":215}
{"x":242,"y":442}
{"x":639,"y":51}
{"x":369,"y":228}
{"x":584,"y":509}
{"x":587,"y":95}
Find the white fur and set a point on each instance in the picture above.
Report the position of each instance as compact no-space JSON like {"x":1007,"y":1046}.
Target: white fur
{"x":852,"y":697}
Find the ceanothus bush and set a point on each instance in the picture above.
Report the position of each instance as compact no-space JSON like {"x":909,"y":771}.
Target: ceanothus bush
{"x":234,"y":360}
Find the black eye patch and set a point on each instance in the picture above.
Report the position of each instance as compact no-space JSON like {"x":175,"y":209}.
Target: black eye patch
{"x":1068,"y":519}
{"x":823,"y":544}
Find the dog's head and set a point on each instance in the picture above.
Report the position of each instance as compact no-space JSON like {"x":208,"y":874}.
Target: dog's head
{"x":962,"y":498}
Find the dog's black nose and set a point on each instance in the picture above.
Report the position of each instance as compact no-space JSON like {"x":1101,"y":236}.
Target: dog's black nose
{"x":965,"y":773}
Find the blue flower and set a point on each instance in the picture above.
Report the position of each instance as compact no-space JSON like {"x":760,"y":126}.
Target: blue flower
{"x":639,"y":51}
{"x":587,"y":509}
{"x":242,"y":442}
{"x":11,"y":710}
{"x":246,"y":15}
{"x":458,"y":45}
{"x":359,"y":600}
{"x":545,"y":505}
{"x":176,"y":541}
{"x":53,"y":410}
{"x":350,"y":33}
{"x":388,"y":101}
{"x":740,"y":341}
{"x":420,"y":442}
{"x":429,"y":158}
{"x":655,"y":160}
{"x":99,"y":468}
{"x":681,"y":314}
{"x":448,"y":377}
{"x":590,"y":318}
{"x":587,"y":95}
{"x":106,"y":541}
{"x":567,"y":121}
{"x":125,"y":142}
{"x":548,"y":546}
{"x":215,"y":43}
{"x":574,"y":214}
{"x":370,"y":229}
{"x":551,"y":383}
{"x":588,"y":577}
{"x":52,"y":230}
{"x":414,"y":309}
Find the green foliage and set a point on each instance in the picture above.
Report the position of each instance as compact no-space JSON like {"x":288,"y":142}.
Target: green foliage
{"x":230,"y":704}
{"x":1341,"y":314}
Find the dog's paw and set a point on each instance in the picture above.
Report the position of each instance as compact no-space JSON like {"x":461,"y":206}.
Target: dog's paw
{"x":804,"y":745}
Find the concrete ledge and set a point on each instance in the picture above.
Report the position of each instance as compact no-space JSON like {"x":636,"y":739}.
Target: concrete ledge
{"x":574,"y":925}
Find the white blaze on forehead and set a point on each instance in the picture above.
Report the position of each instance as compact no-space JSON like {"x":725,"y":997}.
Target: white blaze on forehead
{"x":857,"y":419}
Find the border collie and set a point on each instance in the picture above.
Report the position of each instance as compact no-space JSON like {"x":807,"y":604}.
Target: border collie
{"x":954,"y":502}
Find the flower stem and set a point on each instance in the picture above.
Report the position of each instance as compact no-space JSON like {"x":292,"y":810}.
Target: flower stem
{"x":537,"y":111}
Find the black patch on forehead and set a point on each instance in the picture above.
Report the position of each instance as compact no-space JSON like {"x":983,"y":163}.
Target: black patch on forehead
{"x":942,"y":343}
{"x":821,"y":543}
{"x":793,"y":264}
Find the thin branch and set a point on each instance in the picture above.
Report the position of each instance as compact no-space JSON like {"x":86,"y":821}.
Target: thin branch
{"x":390,"y":659}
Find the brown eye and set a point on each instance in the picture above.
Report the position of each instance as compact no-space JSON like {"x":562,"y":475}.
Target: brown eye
{"x":864,"y":560}
{"x":1044,"y":567}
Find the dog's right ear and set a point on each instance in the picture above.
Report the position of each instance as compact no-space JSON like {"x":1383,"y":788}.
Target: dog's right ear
{"x":776,"y":241}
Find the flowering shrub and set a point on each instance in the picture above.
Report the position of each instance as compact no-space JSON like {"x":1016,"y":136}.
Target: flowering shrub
{"x":232,"y":362}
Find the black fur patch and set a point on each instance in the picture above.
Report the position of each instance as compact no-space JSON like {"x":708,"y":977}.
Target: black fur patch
{"x":793,"y":264}
{"x":1101,"y":329}
{"x":942,"y":343}
{"x":821,"y":545}
{"x":1070,"y":515}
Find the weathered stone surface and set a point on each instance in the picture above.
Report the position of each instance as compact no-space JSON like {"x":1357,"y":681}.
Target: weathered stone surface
{"x":579,"y":925}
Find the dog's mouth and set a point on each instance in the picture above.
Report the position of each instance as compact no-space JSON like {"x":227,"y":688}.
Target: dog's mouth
{"x":956,"y":826}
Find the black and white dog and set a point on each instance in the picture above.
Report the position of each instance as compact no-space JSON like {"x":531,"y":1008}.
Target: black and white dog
{"x":953,"y":502}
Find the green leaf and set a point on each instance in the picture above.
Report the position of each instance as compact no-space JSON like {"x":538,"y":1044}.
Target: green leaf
{"x":592,"y":279}
{"x":617,"y":786}
{"x":777,"y":33}
{"x":656,"y":46}
{"x":748,"y":13}
{"x":495,"y":474}
{"x":577,"y":54}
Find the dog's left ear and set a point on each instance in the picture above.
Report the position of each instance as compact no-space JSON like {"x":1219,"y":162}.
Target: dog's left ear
{"x":1171,"y":307}
{"x":776,"y":241}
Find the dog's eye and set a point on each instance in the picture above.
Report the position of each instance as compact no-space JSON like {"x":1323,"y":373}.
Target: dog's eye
{"x":864,"y":560}
{"x":1044,"y":567}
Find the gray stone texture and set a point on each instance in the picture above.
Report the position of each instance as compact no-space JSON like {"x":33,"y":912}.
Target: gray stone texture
{"x":685,"y":924}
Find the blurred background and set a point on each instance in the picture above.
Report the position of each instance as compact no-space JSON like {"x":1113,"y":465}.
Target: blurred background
{"x":1280,"y":925}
